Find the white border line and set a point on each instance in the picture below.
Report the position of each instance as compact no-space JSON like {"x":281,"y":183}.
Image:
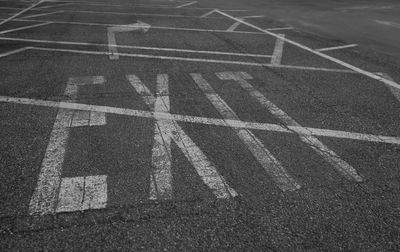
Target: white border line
{"x":335,"y":48}
{"x":186,"y":4}
{"x":325,"y":56}
{"x":21,"y":12}
{"x":25,"y":28}
{"x":206,"y":121}
{"x":14,"y":51}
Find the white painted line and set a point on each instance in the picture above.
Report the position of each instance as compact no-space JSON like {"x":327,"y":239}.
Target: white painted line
{"x":192,"y":59}
{"x":45,"y":195}
{"x":336,"y":48}
{"x":278,"y":51}
{"x":161,"y":175}
{"x":157,"y":27}
{"x":80,"y":119}
{"x":25,"y":27}
{"x":208,"y":13}
{"x":233,"y":27}
{"x":396,"y":25}
{"x":329,"y":155}
{"x":394,"y":91}
{"x":279,"y":28}
{"x":206,"y":121}
{"x":325,"y":56}
{"x":53,"y":6}
{"x":186,"y":4}
{"x":263,"y":156}
{"x":21,"y":12}
{"x":2,"y":55}
{"x":43,"y":14}
{"x":161,"y":182}
{"x":97,"y":119}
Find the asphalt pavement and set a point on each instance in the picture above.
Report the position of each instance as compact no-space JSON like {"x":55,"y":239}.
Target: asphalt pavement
{"x":192,"y":125}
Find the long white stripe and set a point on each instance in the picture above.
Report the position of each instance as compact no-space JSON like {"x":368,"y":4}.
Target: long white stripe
{"x":207,"y":121}
{"x":25,"y":27}
{"x":208,"y":13}
{"x":263,"y":156}
{"x":43,"y":14}
{"x":335,"y":48}
{"x":394,"y":91}
{"x":53,"y":6}
{"x":14,"y":51}
{"x":278,"y":51}
{"x":325,"y":56}
{"x":186,"y":4}
{"x":161,"y":180}
{"x":192,"y":59}
{"x":233,"y":27}
{"x":329,"y":155}
{"x":21,"y":12}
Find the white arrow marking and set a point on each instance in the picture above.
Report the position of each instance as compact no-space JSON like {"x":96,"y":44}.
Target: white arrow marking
{"x":112,"y":43}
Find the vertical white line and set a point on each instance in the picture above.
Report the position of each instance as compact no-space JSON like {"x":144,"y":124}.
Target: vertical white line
{"x":95,"y":196}
{"x":112,"y":44}
{"x":330,"y":156}
{"x":278,"y":51}
{"x":263,"y":156}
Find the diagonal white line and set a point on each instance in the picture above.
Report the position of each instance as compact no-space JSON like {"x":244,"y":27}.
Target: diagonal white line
{"x":325,"y":56}
{"x":233,"y":27}
{"x":14,"y":51}
{"x":335,"y":48}
{"x":21,"y":12}
{"x":25,"y":27}
{"x":43,"y":14}
{"x":186,"y":4}
{"x":206,"y":121}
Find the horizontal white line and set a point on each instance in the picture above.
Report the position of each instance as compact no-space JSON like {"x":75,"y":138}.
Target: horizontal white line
{"x":207,"y":121}
{"x":335,"y":48}
{"x":193,"y":59}
{"x":25,"y":27}
{"x":141,"y":47}
{"x":396,"y":25}
{"x":43,"y":14}
{"x":23,"y":10}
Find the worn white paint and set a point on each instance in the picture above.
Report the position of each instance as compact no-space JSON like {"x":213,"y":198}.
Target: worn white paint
{"x":186,"y":4}
{"x":278,"y":51}
{"x":21,"y":12}
{"x":43,"y":14}
{"x":233,"y":27}
{"x":2,"y":55}
{"x":388,"y":23}
{"x":263,"y":156}
{"x":139,"y":26}
{"x":335,"y":48}
{"x":208,"y":13}
{"x":25,"y":27}
{"x":54,"y":5}
{"x":325,"y":56}
{"x":44,"y":198}
{"x":207,"y":121}
{"x":394,"y":91}
{"x":165,"y":130}
{"x":82,"y":193}
{"x":329,"y":155}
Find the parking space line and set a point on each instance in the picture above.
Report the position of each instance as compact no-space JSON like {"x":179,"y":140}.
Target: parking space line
{"x":21,"y":12}
{"x":325,"y":56}
{"x":14,"y":51}
{"x":25,"y":27}
{"x":335,"y":48}
{"x":146,"y":56}
{"x":206,"y":121}
{"x":329,"y":155}
{"x":208,"y":13}
{"x":44,"y":14}
{"x":186,"y":4}
{"x":170,"y":129}
{"x":278,"y":51}
{"x":263,"y":156}
{"x":56,"y":5}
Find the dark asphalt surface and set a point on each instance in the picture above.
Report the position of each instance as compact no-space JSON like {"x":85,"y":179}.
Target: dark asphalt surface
{"x":328,"y":212}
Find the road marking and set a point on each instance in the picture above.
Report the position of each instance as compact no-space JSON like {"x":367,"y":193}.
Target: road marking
{"x":2,"y":55}
{"x":335,"y":48}
{"x":192,"y":59}
{"x":233,"y":27}
{"x":394,"y":91}
{"x":278,"y":51}
{"x":396,"y":25}
{"x":44,"y":198}
{"x":25,"y":27}
{"x":329,"y":155}
{"x":158,"y":27}
{"x":263,"y":156}
{"x":56,"y":5}
{"x":325,"y":56}
{"x":167,"y":129}
{"x":82,"y":193}
{"x":279,"y":28}
{"x":112,"y":43}
{"x":186,"y":4}
{"x":208,"y":13}
{"x":206,"y":121}
{"x":21,"y":12}
{"x":44,"y":14}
